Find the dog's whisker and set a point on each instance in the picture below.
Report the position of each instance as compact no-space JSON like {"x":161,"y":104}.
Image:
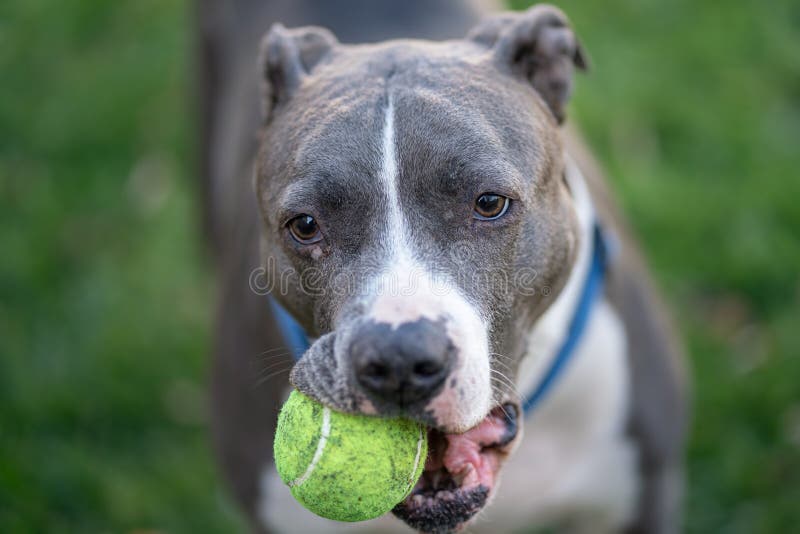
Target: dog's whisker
{"x":275,"y":352}
{"x":507,"y":387}
{"x":501,"y":378}
{"x":275,"y":364}
{"x":499,"y":398}
{"x":500,"y":373}
{"x":498,"y":355}
{"x":261,"y":381}
{"x":273,"y":349}
{"x":502,"y":365}
{"x":505,"y":412}
{"x":503,"y":370}
{"x":501,"y":360}
{"x":275,"y":358}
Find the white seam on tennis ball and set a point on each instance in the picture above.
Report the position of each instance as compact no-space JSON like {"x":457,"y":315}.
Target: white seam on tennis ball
{"x":325,"y":431}
{"x":417,"y":458}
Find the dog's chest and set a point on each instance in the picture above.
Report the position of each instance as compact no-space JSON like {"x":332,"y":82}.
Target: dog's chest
{"x":574,"y":459}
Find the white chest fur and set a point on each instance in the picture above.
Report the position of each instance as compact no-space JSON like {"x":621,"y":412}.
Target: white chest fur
{"x":574,"y":460}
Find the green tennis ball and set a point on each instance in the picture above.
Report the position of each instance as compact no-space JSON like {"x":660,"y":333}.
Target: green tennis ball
{"x":347,"y":467}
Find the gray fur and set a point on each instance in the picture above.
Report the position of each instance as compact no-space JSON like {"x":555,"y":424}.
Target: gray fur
{"x":471,"y":115}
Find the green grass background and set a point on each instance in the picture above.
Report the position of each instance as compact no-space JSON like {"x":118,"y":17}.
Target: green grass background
{"x":105,"y":300}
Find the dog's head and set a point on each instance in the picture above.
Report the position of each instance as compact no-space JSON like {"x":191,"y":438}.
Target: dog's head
{"x":417,"y":223}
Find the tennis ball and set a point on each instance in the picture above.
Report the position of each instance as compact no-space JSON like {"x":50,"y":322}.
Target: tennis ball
{"x":347,"y":467}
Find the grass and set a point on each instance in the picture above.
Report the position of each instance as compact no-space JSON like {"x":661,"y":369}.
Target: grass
{"x":104,"y":314}
{"x":693,"y":107}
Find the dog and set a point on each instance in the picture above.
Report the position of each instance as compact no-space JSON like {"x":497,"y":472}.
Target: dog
{"x":453,"y":256}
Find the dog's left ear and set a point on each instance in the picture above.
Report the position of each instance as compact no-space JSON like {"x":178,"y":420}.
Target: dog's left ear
{"x":539,"y":45}
{"x":288,"y":56}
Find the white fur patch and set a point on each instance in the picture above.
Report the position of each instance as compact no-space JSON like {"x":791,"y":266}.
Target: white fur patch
{"x":389,"y":175}
{"x":406,"y":292}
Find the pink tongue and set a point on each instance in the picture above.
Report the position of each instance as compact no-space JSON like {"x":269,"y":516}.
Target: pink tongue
{"x":465,"y":455}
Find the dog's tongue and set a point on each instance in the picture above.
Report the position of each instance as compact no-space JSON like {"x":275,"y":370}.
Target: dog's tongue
{"x":460,"y":472}
{"x":473,"y":458}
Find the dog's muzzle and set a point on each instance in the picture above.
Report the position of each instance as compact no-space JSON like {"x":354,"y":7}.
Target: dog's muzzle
{"x":401,"y":366}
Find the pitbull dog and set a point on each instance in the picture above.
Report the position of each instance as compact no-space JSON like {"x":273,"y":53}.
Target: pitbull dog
{"x":428,"y":221}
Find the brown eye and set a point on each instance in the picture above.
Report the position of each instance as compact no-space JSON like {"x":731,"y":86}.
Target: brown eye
{"x":304,"y":229}
{"x":489,"y":206}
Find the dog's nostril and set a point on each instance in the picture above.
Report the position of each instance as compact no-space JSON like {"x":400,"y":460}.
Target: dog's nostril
{"x":427,"y":369}
{"x":375,"y":370}
{"x":404,"y":364}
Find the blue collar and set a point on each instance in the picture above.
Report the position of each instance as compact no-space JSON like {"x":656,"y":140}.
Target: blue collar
{"x":297,"y":340}
{"x":592,"y":289}
{"x":293,"y":334}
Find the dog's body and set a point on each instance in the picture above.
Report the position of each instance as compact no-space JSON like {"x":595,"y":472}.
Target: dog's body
{"x":603,"y":451}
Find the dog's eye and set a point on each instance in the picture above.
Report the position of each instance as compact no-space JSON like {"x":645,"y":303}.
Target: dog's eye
{"x":304,"y":229}
{"x":490,"y":206}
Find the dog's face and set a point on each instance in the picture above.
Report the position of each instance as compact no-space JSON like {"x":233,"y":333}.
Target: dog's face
{"x":417,"y":223}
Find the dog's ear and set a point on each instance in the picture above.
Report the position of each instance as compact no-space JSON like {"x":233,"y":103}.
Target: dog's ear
{"x":287,"y":56}
{"x":539,"y":45}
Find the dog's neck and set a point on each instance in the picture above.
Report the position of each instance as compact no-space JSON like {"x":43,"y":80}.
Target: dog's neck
{"x":551,"y":328}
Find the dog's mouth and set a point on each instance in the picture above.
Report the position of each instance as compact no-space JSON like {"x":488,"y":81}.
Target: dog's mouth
{"x":460,"y":473}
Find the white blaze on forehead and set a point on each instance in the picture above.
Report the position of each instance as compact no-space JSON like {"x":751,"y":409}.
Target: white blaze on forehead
{"x":406,"y":291}
{"x":389,"y":167}
{"x":401,"y":271}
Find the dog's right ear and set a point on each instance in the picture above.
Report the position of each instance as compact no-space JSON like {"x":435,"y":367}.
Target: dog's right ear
{"x":287,"y":56}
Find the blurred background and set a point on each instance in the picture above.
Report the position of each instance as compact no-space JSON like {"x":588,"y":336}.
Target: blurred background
{"x":106,"y":297}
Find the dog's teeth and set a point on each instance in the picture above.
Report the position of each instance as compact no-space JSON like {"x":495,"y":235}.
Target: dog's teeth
{"x":435,"y":479}
{"x":444,"y":495}
{"x":418,"y":499}
{"x":461,"y":475}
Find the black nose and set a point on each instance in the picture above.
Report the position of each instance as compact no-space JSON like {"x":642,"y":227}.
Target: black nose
{"x":402,"y":365}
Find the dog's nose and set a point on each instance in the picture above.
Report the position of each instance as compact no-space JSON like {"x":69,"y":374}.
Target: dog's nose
{"x":402,"y":365}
